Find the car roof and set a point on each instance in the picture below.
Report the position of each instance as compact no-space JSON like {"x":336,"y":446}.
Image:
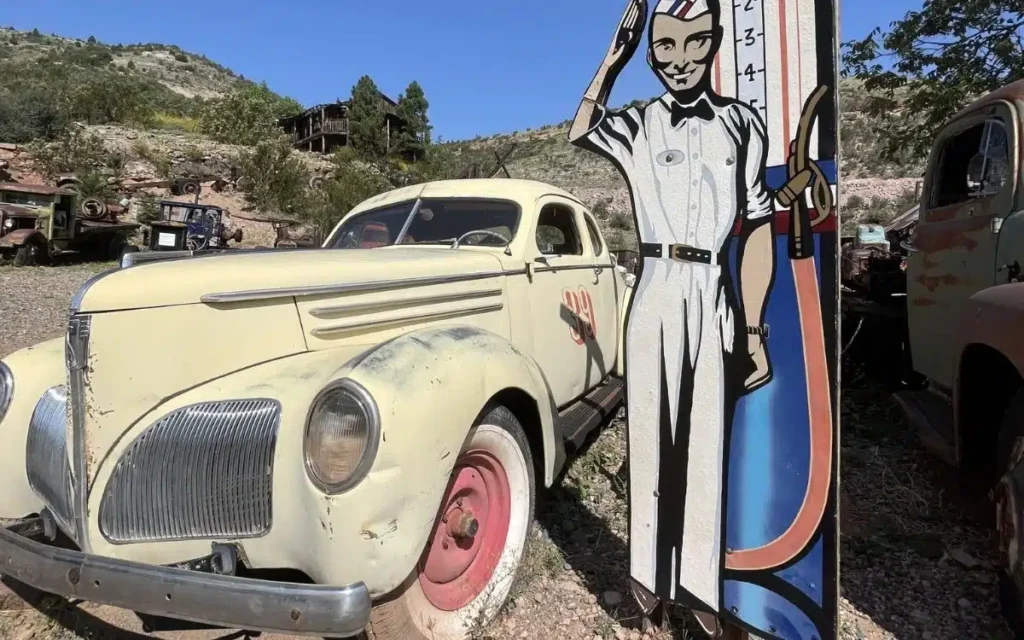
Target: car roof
{"x":520,"y":191}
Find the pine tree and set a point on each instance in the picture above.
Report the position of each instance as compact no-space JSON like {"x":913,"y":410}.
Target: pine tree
{"x":412,"y":109}
{"x":366,"y":120}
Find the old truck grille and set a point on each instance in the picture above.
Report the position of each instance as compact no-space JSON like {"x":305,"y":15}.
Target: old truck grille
{"x":49,"y":470}
{"x":203,"y":471}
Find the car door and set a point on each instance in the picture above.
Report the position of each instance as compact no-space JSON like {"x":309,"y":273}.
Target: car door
{"x":969,"y":189}
{"x":607,"y":290}
{"x":562,"y":293}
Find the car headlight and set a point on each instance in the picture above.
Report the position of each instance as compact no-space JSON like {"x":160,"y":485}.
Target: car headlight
{"x":6,"y":389}
{"x":9,"y":224}
{"x":342,"y":434}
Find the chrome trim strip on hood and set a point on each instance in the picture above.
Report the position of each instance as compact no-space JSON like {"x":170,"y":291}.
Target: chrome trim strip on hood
{"x":327,"y":312}
{"x":342,"y":327}
{"x":76,"y":356}
{"x":352,"y":287}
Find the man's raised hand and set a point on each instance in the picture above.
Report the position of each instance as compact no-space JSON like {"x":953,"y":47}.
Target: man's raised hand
{"x":629,"y":34}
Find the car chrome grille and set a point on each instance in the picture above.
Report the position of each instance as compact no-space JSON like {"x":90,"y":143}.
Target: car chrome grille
{"x":46,"y":456}
{"x":203,"y":471}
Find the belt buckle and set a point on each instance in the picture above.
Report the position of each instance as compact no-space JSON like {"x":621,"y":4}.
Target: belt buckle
{"x":676,"y":251}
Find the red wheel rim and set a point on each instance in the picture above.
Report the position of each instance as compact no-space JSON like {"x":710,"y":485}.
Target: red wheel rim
{"x":470,"y":533}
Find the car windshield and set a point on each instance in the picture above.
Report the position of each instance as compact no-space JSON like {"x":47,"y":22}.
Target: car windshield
{"x":438,"y":221}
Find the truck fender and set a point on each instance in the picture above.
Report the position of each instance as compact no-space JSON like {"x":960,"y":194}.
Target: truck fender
{"x":452,"y":372}
{"x":991,"y":318}
{"x":34,"y":370}
{"x":20,"y":237}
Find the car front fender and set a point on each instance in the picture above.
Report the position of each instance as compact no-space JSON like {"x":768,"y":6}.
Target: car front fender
{"x":34,"y":370}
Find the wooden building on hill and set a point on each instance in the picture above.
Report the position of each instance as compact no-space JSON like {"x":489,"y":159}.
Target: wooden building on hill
{"x":325,"y":127}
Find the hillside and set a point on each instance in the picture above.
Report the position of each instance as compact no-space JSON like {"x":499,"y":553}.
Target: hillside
{"x":127,"y":94}
{"x":186,"y":74}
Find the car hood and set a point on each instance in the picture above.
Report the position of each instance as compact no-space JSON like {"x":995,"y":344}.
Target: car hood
{"x":189,"y":281}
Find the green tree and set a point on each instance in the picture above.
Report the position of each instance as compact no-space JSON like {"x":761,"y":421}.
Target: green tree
{"x":28,"y":115}
{"x":277,"y":179}
{"x":366,"y":121}
{"x":412,"y":109}
{"x":352,"y":182}
{"x":247,"y":115}
{"x":933,"y":62}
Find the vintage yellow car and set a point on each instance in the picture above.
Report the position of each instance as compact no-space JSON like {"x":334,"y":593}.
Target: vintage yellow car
{"x":378,"y":425}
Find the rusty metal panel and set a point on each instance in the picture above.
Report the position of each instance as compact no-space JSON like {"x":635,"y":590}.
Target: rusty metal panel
{"x":969,"y":190}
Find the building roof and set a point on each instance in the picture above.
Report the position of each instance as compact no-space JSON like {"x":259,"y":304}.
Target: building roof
{"x":318,"y":107}
{"x":38,"y":189}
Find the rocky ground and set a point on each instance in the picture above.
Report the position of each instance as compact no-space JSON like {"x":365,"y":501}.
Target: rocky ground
{"x":916,"y":562}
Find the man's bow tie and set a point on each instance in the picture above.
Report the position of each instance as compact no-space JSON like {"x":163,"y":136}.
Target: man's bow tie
{"x":700,"y":110}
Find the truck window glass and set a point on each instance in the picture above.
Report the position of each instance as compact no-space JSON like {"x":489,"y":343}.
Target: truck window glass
{"x":556,"y":232}
{"x":996,"y":166}
{"x":951,"y":179}
{"x":595,"y":237}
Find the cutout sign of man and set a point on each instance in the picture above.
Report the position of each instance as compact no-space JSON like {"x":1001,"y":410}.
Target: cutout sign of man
{"x":697,"y":166}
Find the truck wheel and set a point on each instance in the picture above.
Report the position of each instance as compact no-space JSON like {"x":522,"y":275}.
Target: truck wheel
{"x":467,"y":570}
{"x":1009,"y":499}
{"x":115,"y":247}
{"x":32,"y":253}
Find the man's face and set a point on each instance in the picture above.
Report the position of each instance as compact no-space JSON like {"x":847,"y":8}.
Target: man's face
{"x":682,"y":50}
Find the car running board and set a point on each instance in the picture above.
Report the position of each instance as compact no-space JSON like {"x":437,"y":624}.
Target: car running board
{"x":931,"y":415}
{"x":579,"y":419}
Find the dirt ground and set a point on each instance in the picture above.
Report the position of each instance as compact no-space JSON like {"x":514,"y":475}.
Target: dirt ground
{"x":916,"y":563}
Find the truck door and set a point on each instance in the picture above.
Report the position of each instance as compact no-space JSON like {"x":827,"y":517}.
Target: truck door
{"x":562,"y":295}
{"x":968,"y":190}
{"x":607,"y":288}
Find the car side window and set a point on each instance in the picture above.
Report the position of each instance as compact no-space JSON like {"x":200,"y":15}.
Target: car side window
{"x":557,"y":234}
{"x":972,"y":164}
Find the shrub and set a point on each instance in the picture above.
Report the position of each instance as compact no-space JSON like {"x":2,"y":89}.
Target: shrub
{"x":181,"y":57}
{"x":278,"y":180}
{"x":148,"y":209}
{"x":75,"y":150}
{"x":247,"y":115}
{"x":194,"y":154}
{"x":621,"y":221}
{"x":94,"y":184}
{"x":131,"y":65}
{"x":173,"y":122}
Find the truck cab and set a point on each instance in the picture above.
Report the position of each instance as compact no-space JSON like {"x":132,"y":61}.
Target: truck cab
{"x":964,"y":313}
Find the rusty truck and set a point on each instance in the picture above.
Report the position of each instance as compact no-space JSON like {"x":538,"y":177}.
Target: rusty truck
{"x":948,"y":286}
{"x":38,"y":222}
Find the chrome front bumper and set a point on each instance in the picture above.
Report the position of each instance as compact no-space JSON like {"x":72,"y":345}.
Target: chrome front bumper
{"x":223,"y":601}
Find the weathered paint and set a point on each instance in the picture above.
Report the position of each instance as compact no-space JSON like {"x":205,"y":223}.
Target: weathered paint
{"x":957,"y":243}
{"x":431,"y":376}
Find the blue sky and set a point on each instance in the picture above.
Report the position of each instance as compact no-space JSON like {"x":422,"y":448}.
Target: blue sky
{"x":487,"y":67}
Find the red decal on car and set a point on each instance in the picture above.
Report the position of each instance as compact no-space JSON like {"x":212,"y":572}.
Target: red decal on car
{"x":581,"y":307}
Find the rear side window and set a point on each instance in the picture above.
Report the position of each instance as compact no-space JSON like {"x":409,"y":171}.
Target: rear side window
{"x":557,"y":234}
{"x":595,"y":236}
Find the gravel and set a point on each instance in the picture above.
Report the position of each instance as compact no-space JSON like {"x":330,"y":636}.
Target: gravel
{"x":916,"y":556}
{"x":34,"y":301}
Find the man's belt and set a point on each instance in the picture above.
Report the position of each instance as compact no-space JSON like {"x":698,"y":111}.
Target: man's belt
{"x":680,"y":253}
